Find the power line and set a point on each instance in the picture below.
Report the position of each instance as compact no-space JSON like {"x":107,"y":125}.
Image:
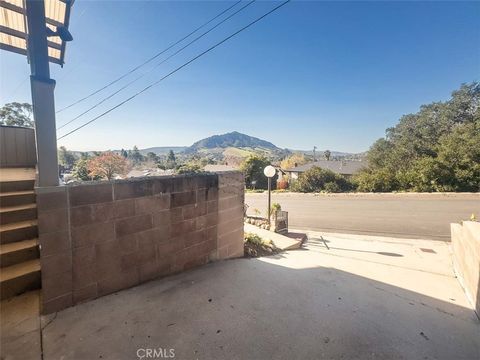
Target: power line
{"x":18,"y":87}
{"x":177,"y":69}
{"x":157,"y":65}
{"x":148,"y":60}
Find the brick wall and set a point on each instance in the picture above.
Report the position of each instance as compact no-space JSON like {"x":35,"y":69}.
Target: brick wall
{"x":466,"y":259}
{"x":98,"y":238}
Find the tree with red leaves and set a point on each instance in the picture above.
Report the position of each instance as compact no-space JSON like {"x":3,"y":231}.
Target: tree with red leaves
{"x":107,"y":165}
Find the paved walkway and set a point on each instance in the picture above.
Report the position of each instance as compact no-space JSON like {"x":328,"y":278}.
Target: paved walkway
{"x":20,"y":327}
{"x":340,"y":298}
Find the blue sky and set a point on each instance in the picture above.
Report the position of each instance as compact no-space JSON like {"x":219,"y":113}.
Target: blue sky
{"x":330,"y":74}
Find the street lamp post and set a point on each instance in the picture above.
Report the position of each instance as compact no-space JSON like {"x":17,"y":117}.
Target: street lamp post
{"x":269,"y":172}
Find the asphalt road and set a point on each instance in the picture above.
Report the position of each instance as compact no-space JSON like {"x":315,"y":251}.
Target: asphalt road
{"x":417,"y":216}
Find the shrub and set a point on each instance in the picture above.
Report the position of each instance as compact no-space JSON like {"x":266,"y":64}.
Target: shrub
{"x":254,"y":239}
{"x":276,"y":207}
{"x":189,"y":169}
{"x":317,"y":179}
{"x":378,"y":180}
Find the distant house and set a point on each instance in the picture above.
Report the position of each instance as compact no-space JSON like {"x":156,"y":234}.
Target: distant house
{"x":146,"y":172}
{"x":280,"y":173}
{"x":343,"y":167}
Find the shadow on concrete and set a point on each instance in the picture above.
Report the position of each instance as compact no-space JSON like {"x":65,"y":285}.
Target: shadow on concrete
{"x":315,"y":242}
{"x":271,"y":308}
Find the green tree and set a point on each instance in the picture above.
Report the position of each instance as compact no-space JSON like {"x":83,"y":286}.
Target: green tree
{"x":435,"y":149}
{"x":84,"y":155}
{"x":317,"y":179}
{"x":16,"y":114}
{"x":66,"y":158}
{"x":135,"y":156}
{"x":171,"y":160}
{"x":80,"y":171}
{"x":253,"y":167}
{"x":327,"y":154}
{"x":459,"y":158}
{"x":152,"y":157}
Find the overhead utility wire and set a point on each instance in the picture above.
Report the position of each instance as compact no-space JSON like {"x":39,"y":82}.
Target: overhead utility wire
{"x":148,"y":60}
{"x":177,"y":69}
{"x":157,"y":65}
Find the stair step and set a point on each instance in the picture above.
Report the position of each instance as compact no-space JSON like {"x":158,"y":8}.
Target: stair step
{"x":15,"y":271}
{"x":20,"y":278}
{"x":14,"y":198}
{"x":12,"y":214}
{"x":18,"y":231}
{"x":17,"y":185}
{"x":19,"y":251}
{"x":6,"y":209}
{"x":17,"y":179}
{"x":16,"y":174}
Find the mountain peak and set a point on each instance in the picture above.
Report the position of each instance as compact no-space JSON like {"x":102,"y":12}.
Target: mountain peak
{"x":232,"y":139}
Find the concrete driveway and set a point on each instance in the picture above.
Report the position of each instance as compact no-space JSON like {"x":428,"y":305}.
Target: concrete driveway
{"x":343,"y":297}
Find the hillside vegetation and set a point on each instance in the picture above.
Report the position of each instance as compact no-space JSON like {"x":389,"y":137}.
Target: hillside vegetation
{"x":233,"y":139}
{"x":435,"y":149}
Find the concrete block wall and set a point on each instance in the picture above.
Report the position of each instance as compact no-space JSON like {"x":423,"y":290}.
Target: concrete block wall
{"x":100,"y":237}
{"x":466,"y":259}
{"x":231,"y":200}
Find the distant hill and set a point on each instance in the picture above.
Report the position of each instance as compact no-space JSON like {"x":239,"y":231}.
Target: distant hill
{"x":163,"y":150}
{"x":233,"y":147}
{"x":231,"y":140}
{"x":335,"y":154}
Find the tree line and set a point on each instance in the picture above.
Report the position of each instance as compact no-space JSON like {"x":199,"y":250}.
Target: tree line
{"x":436,"y":149}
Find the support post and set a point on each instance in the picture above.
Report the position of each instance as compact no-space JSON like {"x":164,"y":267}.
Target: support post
{"x":269,"y":199}
{"x":43,"y":100}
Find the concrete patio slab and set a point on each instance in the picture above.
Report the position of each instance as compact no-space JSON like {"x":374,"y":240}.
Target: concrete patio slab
{"x":351,"y":300}
{"x":20,"y":327}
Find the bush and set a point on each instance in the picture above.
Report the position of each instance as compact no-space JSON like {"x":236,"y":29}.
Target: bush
{"x":332,"y":187}
{"x":254,"y":239}
{"x":317,"y":179}
{"x":276,"y":207}
{"x":189,"y":169}
{"x":378,"y":180}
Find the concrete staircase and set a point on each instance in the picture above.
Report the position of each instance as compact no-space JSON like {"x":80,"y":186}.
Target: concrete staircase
{"x":19,"y":253}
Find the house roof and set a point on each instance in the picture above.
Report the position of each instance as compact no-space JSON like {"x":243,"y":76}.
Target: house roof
{"x":148,"y":172}
{"x":344,"y":167}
